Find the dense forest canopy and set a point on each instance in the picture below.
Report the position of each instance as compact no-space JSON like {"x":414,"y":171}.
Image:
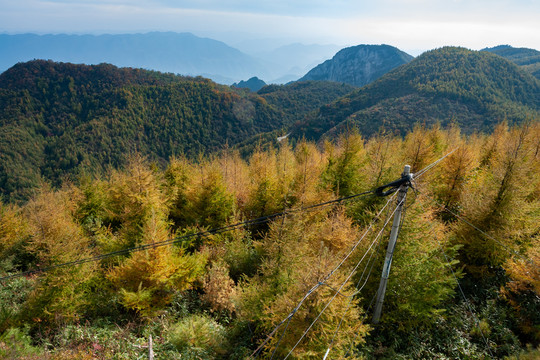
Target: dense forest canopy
{"x":58,"y":119}
{"x":528,"y":59}
{"x":220,"y":294}
{"x":476,"y":90}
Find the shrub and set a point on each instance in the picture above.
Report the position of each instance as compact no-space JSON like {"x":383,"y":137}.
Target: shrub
{"x":17,"y":344}
{"x":198,"y":337}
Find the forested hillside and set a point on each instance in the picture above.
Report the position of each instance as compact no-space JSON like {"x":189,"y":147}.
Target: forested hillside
{"x":476,"y":90}
{"x":528,"y":59}
{"x":167,"y":252}
{"x":58,"y":119}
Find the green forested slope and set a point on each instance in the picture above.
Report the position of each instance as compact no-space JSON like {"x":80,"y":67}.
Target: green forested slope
{"x":474,"y":89}
{"x":299,"y":98}
{"x":58,"y":117}
{"x":528,"y":59}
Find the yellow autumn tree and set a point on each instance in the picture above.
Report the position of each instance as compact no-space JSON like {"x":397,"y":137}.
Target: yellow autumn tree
{"x":13,"y":233}
{"x":300,"y":252}
{"x":496,"y":202}
{"x":147,"y":280}
{"x":61,"y":293}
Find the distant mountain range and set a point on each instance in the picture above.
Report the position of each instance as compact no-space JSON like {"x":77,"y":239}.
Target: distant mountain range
{"x":474,"y":89}
{"x":359,"y":65}
{"x":178,"y":53}
{"x":190,"y":55}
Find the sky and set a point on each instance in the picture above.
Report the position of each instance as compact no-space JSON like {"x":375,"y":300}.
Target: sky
{"x":411,"y":25}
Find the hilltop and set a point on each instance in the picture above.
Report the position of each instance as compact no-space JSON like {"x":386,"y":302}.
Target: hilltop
{"x":58,"y":118}
{"x":528,"y":59}
{"x":473,"y":89}
{"x":359,"y":65}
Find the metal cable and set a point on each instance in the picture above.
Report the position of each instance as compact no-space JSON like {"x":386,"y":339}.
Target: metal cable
{"x":316,"y":286}
{"x":342,"y":285}
{"x":179,"y":239}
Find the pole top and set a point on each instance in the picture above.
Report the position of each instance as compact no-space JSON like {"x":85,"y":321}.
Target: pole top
{"x":407,"y":170}
{"x":406,"y":178}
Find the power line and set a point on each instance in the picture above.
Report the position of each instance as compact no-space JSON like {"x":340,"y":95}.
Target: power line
{"x":427,"y":168}
{"x":404,"y":181}
{"x":316,"y":286}
{"x":175,"y":240}
{"x":462,"y":293}
{"x":358,"y":290}
{"x":343,"y":284}
{"x":511,"y":251}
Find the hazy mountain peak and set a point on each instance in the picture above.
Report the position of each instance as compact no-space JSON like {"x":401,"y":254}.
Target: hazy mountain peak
{"x":359,"y":65}
{"x":253,"y":84}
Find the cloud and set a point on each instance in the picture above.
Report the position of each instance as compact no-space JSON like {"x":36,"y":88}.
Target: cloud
{"x":408,"y":24}
{"x":426,"y":34}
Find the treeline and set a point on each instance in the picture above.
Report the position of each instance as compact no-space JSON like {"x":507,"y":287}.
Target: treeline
{"x":219,"y":294}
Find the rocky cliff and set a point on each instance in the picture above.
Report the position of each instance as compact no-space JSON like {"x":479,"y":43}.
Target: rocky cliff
{"x":359,"y":65}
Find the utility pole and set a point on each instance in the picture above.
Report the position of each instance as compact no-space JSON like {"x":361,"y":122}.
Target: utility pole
{"x":406,"y":177}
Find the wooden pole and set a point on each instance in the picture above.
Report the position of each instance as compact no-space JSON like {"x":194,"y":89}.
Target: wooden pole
{"x":150,"y":348}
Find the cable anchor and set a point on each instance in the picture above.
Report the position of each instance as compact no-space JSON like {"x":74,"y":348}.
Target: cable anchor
{"x":406,"y":179}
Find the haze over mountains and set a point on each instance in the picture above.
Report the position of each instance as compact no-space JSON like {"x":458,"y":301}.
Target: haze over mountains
{"x":179,"y":53}
{"x":190,"y":55}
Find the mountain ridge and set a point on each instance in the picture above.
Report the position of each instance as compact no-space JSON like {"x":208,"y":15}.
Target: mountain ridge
{"x":359,"y":65}
{"x":528,"y":59}
{"x":475,"y":89}
{"x":179,"y":53}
